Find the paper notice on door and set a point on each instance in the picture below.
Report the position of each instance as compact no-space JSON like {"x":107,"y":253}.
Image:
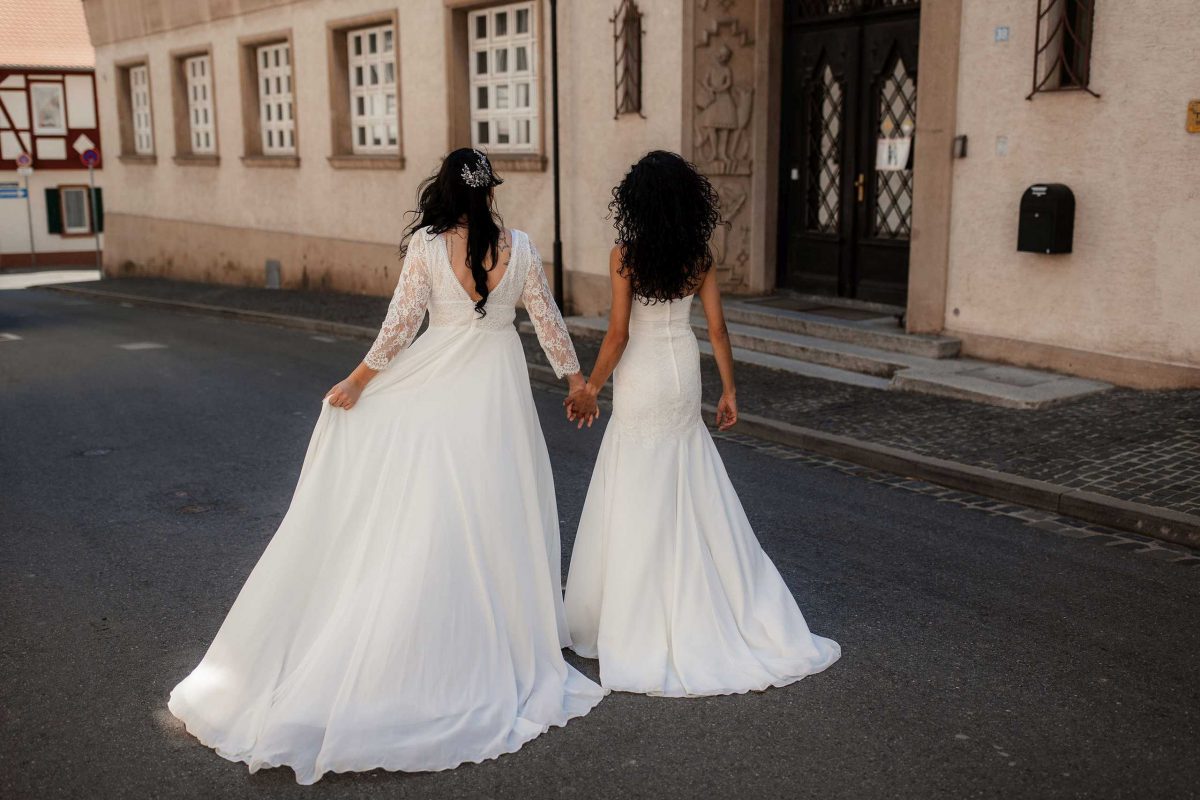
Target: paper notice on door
{"x":891,"y":154}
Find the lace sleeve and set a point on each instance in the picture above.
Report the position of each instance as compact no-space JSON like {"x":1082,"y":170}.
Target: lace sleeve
{"x":547,"y":321}
{"x":407,"y":308}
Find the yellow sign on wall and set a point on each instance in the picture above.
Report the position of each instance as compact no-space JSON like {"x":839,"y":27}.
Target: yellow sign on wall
{"x":1193,"y":117}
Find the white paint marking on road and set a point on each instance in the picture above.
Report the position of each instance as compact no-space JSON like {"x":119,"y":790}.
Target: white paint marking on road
{"x":323,"y":338}
{"x":9,"y":337}
{"x":142,"y":346}
{"x":24,"y":280}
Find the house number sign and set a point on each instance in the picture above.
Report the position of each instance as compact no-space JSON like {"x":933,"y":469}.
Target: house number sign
{"x":1193,"y":117}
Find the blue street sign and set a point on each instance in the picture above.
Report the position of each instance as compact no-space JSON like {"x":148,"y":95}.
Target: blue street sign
{"x":12,"y":193}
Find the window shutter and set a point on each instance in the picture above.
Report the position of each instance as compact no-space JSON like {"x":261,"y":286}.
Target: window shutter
{"x":98,"y":210}
{"x":54,"y":220}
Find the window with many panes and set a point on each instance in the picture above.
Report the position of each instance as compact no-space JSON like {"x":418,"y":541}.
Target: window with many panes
{"x":276,"y":113}
{"x":139,"y":103}
{"x":76,"y":210}
{"x":371,"y":62}
{"x":504,"y":78}
{"x":198,"y":76}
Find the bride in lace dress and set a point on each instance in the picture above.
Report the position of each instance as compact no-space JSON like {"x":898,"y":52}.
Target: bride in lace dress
{"x":668,"y":585}
{"x":408,"y":612}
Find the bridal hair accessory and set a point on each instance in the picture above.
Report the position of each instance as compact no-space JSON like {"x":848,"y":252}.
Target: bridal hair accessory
{"x":479,"y":177}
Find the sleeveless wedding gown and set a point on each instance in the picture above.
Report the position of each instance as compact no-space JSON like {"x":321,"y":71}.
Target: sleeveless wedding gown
{"x":668,"y":586}
{"x":408,"y":612}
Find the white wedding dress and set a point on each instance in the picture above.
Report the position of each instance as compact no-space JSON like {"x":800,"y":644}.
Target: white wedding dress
{"x":408,"y":612}
{"x":668,"y":585}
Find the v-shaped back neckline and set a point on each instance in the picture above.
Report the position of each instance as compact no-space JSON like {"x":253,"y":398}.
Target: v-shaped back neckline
{"x":512,"y":252}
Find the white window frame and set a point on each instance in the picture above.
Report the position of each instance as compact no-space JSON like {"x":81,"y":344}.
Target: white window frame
{"x":197,"y":73}
{"x":497,"y":84}
{"x":276,"y":105}
{"x":371,"y":71}
{"x":47,"y":92}
{"x":140,"y":110}
{"x":84,"y":193}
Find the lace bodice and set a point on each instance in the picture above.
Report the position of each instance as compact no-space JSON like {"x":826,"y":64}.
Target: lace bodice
{"x":427,"y":282}
{"x":656,"y":389}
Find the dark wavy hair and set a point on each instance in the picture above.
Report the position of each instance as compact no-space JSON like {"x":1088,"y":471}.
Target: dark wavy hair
{"x":447,"y":199}
{"x":665,"y":212}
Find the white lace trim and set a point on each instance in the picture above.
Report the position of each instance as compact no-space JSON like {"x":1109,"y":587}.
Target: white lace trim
{"x":427,"y":283}
{"x":407,"y":309}
{"x":547,"y":319}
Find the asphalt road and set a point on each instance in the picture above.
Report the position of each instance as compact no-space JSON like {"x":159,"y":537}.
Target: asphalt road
{"x":139,"y":484}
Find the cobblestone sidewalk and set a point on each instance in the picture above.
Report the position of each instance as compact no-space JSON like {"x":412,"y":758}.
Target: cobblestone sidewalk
{"x":1137,"y":446}
{"x":1043,"y":521}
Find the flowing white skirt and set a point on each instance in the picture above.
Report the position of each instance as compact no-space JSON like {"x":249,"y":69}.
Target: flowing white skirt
{"x":407,"y":615}
{"x":668,"y":585}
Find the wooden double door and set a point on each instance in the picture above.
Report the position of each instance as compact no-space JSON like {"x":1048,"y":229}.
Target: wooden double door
{"x":848,"y":124}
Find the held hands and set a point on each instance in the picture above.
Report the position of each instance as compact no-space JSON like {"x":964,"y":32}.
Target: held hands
{"x":345,"y":394}
{"x":727,"y":413}
{"x":581,"y":403}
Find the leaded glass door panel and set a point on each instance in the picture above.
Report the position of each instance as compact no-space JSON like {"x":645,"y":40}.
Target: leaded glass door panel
{"x":850,"y":80}
{"x":820,"y":110}
{"x":888,"y":114}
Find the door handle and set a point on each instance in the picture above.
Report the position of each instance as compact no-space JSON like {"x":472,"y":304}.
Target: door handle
{"x":860,"y":184}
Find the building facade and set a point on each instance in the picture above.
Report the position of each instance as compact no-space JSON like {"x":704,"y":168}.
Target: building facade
{"x":871,"y":150}
{"x":50,"y":215}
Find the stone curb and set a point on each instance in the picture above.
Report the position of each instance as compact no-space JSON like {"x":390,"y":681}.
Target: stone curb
{"x":1160,"y":523}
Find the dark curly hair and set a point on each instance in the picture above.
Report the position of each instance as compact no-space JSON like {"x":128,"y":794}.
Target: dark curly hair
{"x":665,"y":212}
{"x":447,"y":199}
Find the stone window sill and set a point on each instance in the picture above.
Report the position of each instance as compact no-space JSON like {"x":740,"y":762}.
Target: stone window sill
{"x":134,"y":158}
{"x":366,"y":162}
{"x":518,"y":162}
{"x":194,"y":160}
{"x":287,"y":162}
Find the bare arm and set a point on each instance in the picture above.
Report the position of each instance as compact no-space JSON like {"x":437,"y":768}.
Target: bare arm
{"x":718,"y":337}
{"x":582,"y":405}
{"x":617,"y":335}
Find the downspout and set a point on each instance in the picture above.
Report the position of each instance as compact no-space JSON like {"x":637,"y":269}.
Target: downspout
{"x":558,"y":249}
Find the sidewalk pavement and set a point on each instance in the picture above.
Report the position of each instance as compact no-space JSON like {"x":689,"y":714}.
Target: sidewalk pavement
{"x":1127,"y":459}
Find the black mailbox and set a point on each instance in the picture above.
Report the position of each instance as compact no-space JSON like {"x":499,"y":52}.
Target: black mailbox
{"x":1047,"y":219}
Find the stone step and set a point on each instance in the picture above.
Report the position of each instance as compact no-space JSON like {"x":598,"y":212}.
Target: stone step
{"x":997,"y":384}
{"x":867,"y":326}
{"x":815,"y":350}
{"x":594,"y":328}
{"x":805,"y":368}
{"x":843,"y":362}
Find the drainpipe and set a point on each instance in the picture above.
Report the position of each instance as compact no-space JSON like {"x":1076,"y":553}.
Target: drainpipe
{"x":558,"y":250}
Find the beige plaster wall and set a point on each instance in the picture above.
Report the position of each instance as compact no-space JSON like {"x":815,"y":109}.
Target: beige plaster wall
{"x":198,"y":251}
{"x":363,"y":206}
{"x":314,"y":199}
{"x":14,"y":217}
{"x":597,"y":149}
{"x":1131,"y":288}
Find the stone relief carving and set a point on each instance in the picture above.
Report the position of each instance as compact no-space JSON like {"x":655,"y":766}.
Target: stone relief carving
{"x":728,"y":245}
{"x":722,"y":123}
{"x":722,"y":129}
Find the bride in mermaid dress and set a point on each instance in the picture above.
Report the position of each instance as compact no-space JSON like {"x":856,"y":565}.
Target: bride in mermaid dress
{"x":668,"y":586}
{"x":408,"y":613}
